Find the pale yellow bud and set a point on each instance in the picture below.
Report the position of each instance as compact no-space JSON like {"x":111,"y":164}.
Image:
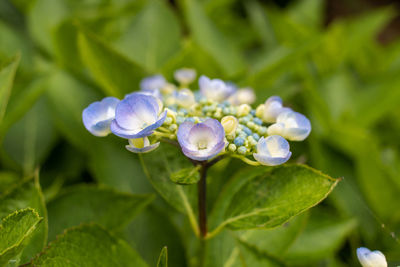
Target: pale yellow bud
{"x":171,"y":114}
{"x":243,"y":110}
{"x":168,"y":88}
{"x":230,"y":124}
{"x":260,"y":111}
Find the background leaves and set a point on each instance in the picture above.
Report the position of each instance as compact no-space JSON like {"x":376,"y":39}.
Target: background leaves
{"x":57,"y":57}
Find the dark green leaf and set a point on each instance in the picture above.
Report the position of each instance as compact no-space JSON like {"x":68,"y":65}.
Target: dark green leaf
{"x":106,"y":207}
{"x":186,"y":176}
{"x":97,"y":248}
{"x":156,"y":231}
{"x":323,"y":235}
{"x":15,"y":231}
{"x":159,"y":169}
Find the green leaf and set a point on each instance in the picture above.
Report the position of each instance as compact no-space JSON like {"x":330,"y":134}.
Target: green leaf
{"x":163,"y":259}
{"x":222,"y":251}
{"x":106,"y":207}
{"x":152,"y":37}
{"x":21,"y":103}
{"x":29,"y":140}
{"x":116,"y":74}
{"x":67,"y":98}
{"x":158,"y":170}
{"x":7,"y":180}
{"x":7,"y":74}
{"x":324,"y":234}
{"x":157,"y":223}
{"x":268,"y":197}
{"x":112,"y":165}
{"x":27,"y":194}
{"x":15,"y":231}
{"x":207,"y":36}
{"x":186,"y":176}
{"x":97,"y":248}
{"x":274,"y":241}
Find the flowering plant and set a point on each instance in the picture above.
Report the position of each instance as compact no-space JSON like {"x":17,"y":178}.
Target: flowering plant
{"x":209,"y":124}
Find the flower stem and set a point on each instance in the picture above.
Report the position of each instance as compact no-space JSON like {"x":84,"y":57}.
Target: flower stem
{"x":201,"y":189}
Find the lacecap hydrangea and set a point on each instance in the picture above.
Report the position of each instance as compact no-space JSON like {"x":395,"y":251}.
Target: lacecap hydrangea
{"x":211,"y":119}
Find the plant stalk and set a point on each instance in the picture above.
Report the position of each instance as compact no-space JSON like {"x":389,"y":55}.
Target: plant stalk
{"x":201,"y":190}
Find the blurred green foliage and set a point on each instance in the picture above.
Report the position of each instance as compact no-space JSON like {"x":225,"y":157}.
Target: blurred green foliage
{"x":57,"y":56}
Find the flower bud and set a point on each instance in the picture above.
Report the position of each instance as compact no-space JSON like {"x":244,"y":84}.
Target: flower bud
{"x":230,"y":124}
{"x":370,"y":258}
{"x":171,"y":114}
{"x":185,"y":98}
{"x":243,"y":110}
{"x":260,"y":111}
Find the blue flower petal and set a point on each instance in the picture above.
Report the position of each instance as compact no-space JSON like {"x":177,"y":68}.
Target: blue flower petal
{"x":273,"y":150}
{"x":97,"y":116}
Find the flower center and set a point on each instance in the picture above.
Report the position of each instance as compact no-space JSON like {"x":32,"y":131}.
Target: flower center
{"x":202,"y":144}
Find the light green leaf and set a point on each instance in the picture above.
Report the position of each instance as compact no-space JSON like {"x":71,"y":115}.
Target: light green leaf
{"x":163,"y":259}
{"x":222,"y":251}
{"x":158,"y":170}
{"x":211,"y":40}
{"x":15,"y":231}
{"x":268,"y":197}
{"x":186,"y":176}
{"x":7,"y":74}
{"x":152,"y":37}
{"x":323,"y":235}
{"x":27,"y":194}
{"x":91,"y":245}
{"x":106,"y":207}
{"x":116,"y":74}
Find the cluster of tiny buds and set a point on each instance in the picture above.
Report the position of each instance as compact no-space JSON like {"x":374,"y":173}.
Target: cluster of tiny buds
{"x":215,"y":119}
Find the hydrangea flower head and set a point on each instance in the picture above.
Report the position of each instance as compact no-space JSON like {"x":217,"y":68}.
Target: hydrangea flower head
{"x":205,"y":121}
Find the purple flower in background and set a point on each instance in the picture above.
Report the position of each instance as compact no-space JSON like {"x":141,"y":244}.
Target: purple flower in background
{"x":201,"y":141}
{"x":153,"y":82}
{"x":215,"y":89}
{"x":273,"y":150}
{"x":272,"y":108}
{"x":97,"y":116}
{"x":291,"y":125}
{"x":136,"y":116}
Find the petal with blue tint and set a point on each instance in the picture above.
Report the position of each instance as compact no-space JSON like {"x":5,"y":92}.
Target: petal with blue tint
{"x":201,"y":141}
{"x":153,"y":82}
{"x":273,"y":150}
{"x":137,"y":116}
{"x":370,"y":258}
{"x":215,"y":89}
{"x":291,"y":125}
{"x":97,"y":116}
